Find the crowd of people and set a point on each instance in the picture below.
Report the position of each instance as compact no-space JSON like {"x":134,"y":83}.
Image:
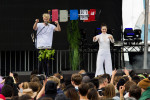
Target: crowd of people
{"x":79,"y":86}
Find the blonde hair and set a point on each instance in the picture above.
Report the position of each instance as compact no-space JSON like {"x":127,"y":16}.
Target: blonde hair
{"x":46,"y":15}
{"x":25,"y":85}
{"x":55,"y":79}
{"x":82,"y":71}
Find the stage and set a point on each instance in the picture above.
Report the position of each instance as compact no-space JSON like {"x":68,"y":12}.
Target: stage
{"x":17,"y":50}
{"x":27,"y":61}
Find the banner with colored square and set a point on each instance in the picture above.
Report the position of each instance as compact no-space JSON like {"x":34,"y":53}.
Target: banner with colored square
{"x":63,"y":16}
{"x":73,"y":14}
{"x":54,"y":15}
{"x":84,"y":14}
{"x":92,"y":13}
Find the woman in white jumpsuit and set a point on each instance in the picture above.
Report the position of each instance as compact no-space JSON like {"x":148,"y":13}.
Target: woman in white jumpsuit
{"x":104,"y":55}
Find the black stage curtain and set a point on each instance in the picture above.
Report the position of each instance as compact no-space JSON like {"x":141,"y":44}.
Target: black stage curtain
{"x":17,"y":18}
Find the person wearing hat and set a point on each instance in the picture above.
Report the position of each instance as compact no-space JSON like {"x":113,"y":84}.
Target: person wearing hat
{"x":145,"y":87}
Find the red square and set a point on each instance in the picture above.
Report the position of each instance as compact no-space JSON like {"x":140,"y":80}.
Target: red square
{"x":54,"y":15}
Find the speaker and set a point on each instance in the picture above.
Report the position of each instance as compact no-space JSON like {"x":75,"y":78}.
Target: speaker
{"x":68,"y":72}
{"x":24,"y":76}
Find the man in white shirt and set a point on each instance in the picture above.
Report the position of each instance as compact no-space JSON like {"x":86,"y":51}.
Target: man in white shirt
{"x":44,"y":37}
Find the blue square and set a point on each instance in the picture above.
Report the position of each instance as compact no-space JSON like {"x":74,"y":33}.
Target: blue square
{"x":73,"y":14}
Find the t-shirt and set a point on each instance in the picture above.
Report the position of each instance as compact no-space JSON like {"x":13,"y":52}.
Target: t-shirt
{"x":44,"y":35}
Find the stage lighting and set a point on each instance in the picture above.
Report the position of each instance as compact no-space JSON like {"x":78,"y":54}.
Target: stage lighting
{"x":129,"y":33}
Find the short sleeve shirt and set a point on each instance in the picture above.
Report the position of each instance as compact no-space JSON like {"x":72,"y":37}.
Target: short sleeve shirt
{"x":44,"y":35}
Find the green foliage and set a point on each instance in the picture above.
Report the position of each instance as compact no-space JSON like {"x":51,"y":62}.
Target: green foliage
{"x":74,"y":40}
{"x":48,"y":54}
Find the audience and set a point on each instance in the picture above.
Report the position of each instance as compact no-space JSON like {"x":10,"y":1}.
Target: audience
{"x":78,"y":86}
{"x":58,"y":75}
{"x":7,"y":91}
{"x":76,"y":80}
{"x":50,"y":90}
{"x":95,"y":82}
{"x":28,"y":92}
{"x":35,"y":86}
{"x":62,"y":96}
{"x":10,"y":81}
{"x":92,"y":94}
{"x":83,"y":90}
{"x":135,"y":92}
{"x":109,"y":92}
{"x":107,"y":76}
{"x":145,"y":88}
{"x":25,"y":97}
{"x":1,"y":85}
{"x":57,"y":81}
{"x":46,"y":98}
{"x":102,"y":83}
{"x":25,"y":85}
{"x":72,"y":94}
{"x":128,"y":85}
{"x":86,"y":79}
{"x":136,"y":79}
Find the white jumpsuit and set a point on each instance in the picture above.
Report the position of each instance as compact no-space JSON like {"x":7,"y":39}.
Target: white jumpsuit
{"x":104,"y":55}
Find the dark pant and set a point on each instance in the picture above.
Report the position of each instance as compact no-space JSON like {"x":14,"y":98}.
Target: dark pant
{"x":44,"y":64}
